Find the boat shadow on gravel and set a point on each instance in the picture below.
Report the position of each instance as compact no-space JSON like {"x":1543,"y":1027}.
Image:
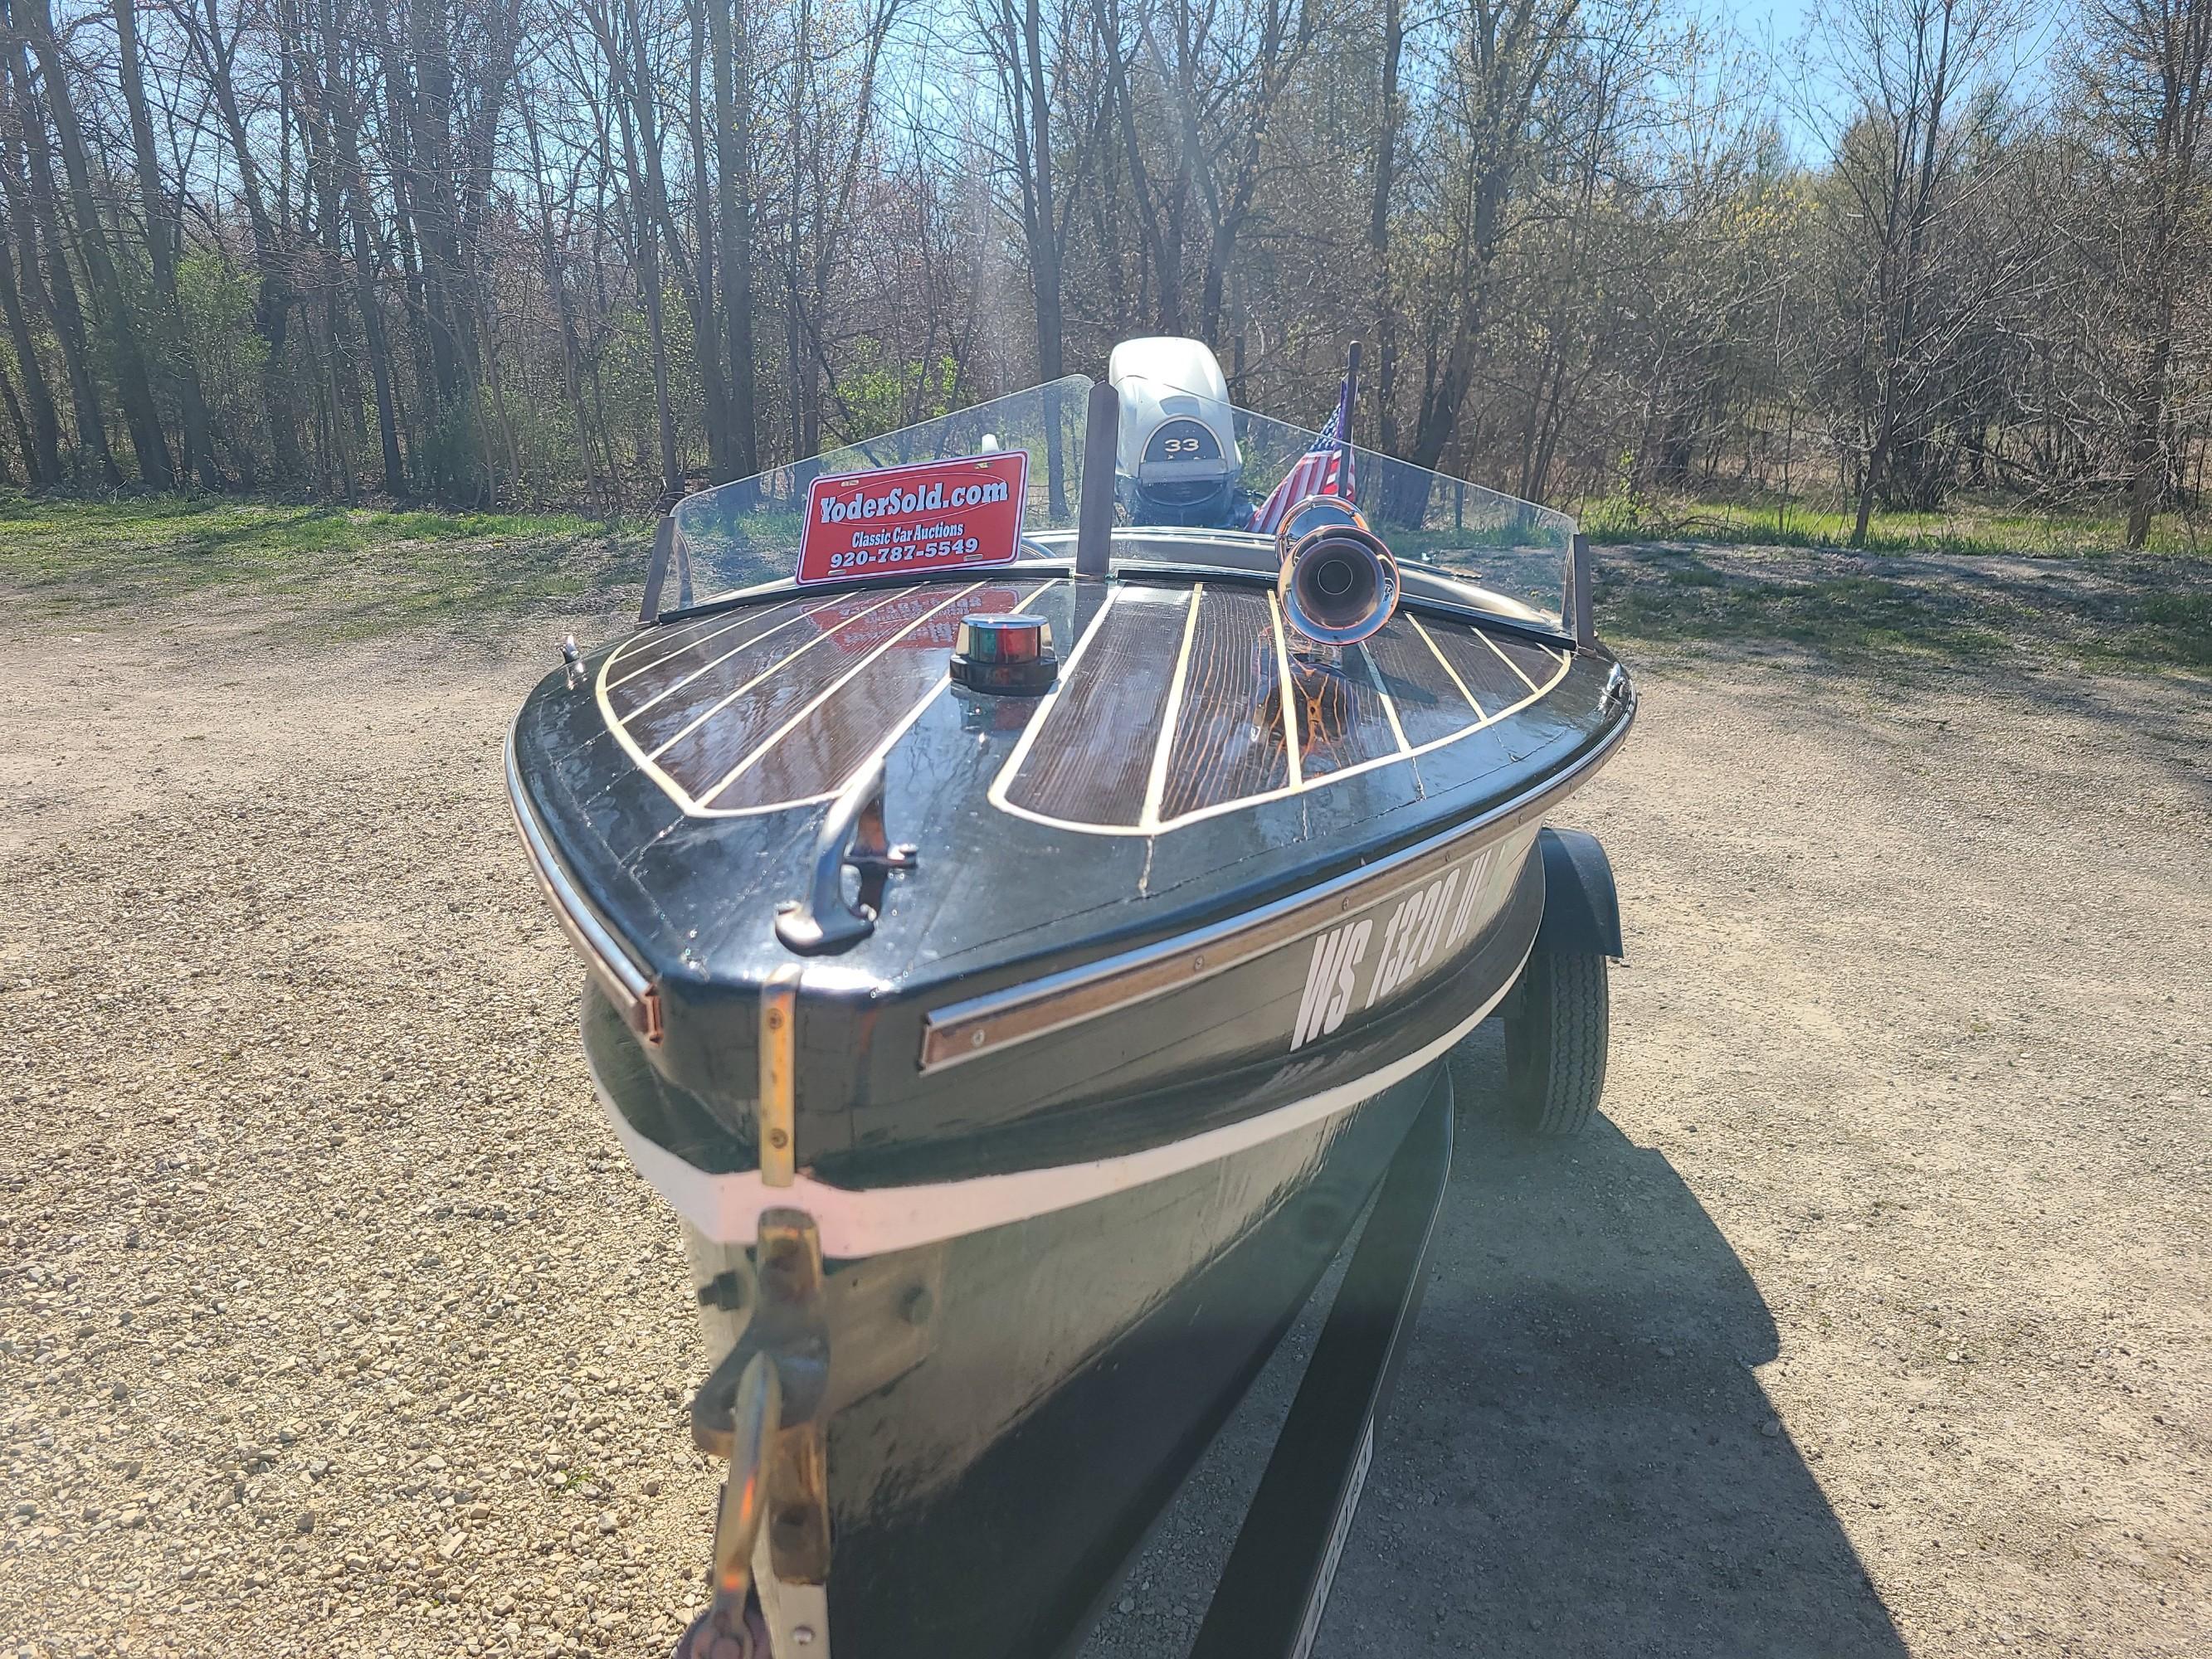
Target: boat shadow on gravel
{"x":1579,"y":1459}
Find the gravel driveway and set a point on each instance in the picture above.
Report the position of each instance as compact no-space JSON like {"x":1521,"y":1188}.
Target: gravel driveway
{"x":1873,"y":1321}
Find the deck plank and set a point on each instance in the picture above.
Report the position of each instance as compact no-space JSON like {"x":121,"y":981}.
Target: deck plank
{"x":1092,"y":760}
{"x":1229,"y":736}
{"x":817,"y":756}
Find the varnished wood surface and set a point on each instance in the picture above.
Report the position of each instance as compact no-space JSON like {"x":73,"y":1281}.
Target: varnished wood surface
{"x":1229,"y":733}
{"x":1432,"y":707}
{"x":1488,"y":676}
{"x":1341,"y":718}
{"x":1172,"y":708}
{"x":779,"y":706}
{"x":829,"y":744}
{"x":1091,"y":758}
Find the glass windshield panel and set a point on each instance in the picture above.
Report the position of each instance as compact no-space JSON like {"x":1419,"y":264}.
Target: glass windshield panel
{"x":742,"y":534}
{"x":1188,"y":464}
{"x":1492,"y":546}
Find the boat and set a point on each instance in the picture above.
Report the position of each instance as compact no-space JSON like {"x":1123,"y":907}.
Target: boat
{"x":1031,"y":868}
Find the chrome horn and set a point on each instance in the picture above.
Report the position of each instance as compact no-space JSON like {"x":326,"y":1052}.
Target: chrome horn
{"x":1338,"y":583}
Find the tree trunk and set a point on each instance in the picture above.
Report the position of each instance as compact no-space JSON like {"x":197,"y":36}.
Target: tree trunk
{"x":640,"y":140}
{"x":42,"y":437}
{"x":1378,"y":230}
{"x":2147,"y":459}
{"x":272,"y":297}
{"x":60,"y":287}
{"x":163,"y":238}
{"x":729,"y":32}
{"x":706,"y":324}
{"x":1032,"y":122}
{"x":22,"y":432}
{"x":361,"y":214}
{"x":557,"y":287}
{"x":140,"y":414}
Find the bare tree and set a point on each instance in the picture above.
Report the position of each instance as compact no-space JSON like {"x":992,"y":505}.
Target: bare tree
{"x":2147,"y":68}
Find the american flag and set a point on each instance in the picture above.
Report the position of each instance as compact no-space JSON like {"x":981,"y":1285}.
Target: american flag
{"x":1320,"y":472}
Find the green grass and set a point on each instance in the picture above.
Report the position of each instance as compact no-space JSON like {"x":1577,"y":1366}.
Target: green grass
{"x":2147,"y":612}
{"x":338,"y":572}
{"x":355,"y":572}
{"x":1968,"y":526}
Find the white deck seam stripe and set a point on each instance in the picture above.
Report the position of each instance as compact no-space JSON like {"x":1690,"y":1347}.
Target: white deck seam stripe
{"x":694,"y":628}
{"x":888,"y":742}
{"x":997,"y":792}
{"x":1156,"y":784}
{"x":1389,"y":708}
{"x":708,"y":631}
{"x":1513,"y":665}
{"x":745,"y":644}
{"x":828,"y":692}
{"x":1297,"y":771}
{"x":777,"y":666}
{"x":1282,"y":793}
{"x":1437,"y":651}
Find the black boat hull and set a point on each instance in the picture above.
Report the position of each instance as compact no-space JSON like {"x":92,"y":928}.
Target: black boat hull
{"x":1095,"y":1080}
{"x":1058,"y":1379}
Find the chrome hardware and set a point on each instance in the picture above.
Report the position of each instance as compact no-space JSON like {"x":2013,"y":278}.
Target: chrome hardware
{"x":763,"y":1408}
{"x":1620,"y":690}
{"x":626,"y":985}
{"x":572,"y":661}
{"x":851,"y":836}
{"x":1338,"y":583}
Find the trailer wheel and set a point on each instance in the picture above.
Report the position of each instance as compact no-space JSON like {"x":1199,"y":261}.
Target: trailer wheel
{"x":1555,"y":1043}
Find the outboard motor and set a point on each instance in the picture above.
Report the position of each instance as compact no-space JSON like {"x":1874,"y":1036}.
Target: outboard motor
{"x":1177,"y":461}
{"x":1337,"y":582}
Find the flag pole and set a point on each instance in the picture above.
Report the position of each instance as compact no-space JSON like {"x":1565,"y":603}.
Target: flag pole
{"x":1343,"y":419}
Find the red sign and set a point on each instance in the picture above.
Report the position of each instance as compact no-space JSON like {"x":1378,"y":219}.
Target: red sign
{"x":934,"y":516}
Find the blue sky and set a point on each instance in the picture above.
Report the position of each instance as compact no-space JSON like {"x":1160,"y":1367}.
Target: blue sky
{"x":1780,"y":24}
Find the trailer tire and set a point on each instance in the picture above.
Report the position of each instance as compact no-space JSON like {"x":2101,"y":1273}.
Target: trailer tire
{"x":1556,"y":1034}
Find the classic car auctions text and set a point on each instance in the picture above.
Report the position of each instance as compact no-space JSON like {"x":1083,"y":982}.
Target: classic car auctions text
{"x":967,"y":510}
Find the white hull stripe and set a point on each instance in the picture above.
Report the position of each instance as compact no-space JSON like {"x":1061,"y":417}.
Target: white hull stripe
{"x":874,"y":1221}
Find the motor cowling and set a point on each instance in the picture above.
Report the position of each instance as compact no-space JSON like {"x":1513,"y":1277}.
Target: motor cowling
{"x":1337,"y":581}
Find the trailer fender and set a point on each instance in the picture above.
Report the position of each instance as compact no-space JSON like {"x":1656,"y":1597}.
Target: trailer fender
{"x":1581,"y":909}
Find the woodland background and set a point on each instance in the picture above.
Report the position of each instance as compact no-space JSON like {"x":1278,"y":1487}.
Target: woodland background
{"x":593,"y":252}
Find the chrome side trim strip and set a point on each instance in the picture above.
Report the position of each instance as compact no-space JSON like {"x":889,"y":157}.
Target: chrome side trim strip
{"x":998,"y":1020}
{"x":875,"y":1221}
{"x":625,"y":983}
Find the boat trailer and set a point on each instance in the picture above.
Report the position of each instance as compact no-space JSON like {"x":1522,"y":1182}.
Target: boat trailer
{"x":1294,"y":1533}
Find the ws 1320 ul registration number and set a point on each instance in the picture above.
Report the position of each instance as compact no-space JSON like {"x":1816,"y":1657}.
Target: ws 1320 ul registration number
{"x":1422,"y":924}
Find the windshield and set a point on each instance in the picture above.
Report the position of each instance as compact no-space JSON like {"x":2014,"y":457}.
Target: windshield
{"x":1197,"y":482}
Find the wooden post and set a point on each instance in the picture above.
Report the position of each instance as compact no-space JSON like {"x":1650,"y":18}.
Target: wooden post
{"x":1094,"y":524}
{"x":656,"y":572}
{"x":1578,"y":591}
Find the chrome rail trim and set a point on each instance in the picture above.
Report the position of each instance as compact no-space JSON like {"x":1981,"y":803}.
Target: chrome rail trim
{"x":626,"y":984}
{"x":998,"y":1020}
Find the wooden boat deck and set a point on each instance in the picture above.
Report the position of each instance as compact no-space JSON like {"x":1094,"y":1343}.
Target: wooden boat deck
{"x":1176,"y":701}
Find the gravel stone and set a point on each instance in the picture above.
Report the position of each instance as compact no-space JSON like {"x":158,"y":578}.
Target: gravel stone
{"x":322,"y":1028}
